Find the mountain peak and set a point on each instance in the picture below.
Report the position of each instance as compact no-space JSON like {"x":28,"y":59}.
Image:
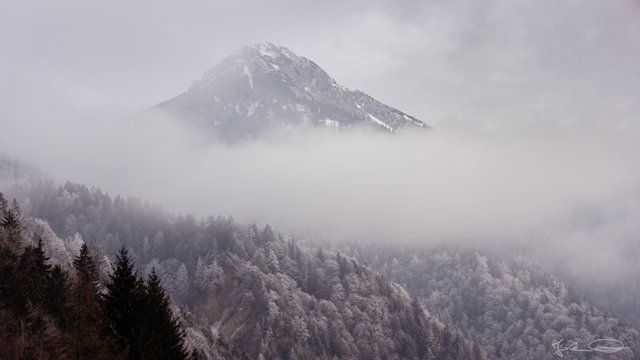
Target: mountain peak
{"x":264,"y":86}
{"x":267,"y":49}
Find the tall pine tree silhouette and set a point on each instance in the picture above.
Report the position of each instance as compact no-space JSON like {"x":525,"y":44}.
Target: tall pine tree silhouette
{"x":163,"y":335}
{"x":122,"y":304}
{"x":140,"y":314}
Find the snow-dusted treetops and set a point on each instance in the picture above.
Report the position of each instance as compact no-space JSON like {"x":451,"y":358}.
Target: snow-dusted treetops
{"x":242,"y":291}
{"x":239,"y":291}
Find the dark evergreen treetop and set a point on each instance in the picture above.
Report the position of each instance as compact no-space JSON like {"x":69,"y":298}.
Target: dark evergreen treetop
{"x":10,"y":221}
{"x":122,"y":302}
{"x":89,"y":333}
{"x":164,"y":338}
{"x":85,"y":267}
{"x":34,"y":272}
{"x":140,"y":314}
{"x":3,"y":204}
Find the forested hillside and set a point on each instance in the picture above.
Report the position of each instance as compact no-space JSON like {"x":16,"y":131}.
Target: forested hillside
{"x":513,"y":308}
{"x":242,"y":290}
{"x":50,"y":310}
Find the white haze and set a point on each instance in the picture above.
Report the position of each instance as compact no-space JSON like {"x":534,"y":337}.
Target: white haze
{"x":561,"y":193}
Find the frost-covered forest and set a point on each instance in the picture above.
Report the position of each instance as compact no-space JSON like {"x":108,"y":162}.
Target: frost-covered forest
{"x":246,"y":291}
{"x":506,"y":303}
{"x":239,"y":287}
{"x":55,"y":310}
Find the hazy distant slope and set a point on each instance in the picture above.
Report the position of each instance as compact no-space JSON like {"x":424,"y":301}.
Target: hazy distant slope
{"x":513,"y":308}
{"x":265,"y":87}
{"x":18,"y":172}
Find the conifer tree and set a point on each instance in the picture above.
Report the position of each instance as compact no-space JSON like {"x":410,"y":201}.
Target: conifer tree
{"x":122,"y":304}
{"x":57,"y":296}
{"x":163,"y":337}
{"x":11,"y":224}
{"x":420,"y":331}
{"x":12,"y":285}
{"x":15,"y":209}
{"x":87,"y":268}
{"x":4,"y":205}
{"x":40,"y":259}
{"x":34,"y":274}
{"x":88,"y":334}
{"x":140,"y":314}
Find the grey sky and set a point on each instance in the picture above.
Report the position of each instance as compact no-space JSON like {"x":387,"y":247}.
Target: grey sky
{"x":533,"y":63}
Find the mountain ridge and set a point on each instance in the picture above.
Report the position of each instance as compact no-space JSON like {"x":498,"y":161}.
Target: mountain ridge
{"x":263,"y":87}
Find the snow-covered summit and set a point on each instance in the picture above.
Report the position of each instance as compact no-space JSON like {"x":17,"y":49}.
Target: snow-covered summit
{"x":264,"y":86}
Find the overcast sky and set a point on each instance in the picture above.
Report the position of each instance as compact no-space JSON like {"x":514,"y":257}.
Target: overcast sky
{"x":520,"y":64}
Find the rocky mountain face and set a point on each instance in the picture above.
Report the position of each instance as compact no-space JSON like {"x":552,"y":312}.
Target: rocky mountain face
{"x":265,"y":87}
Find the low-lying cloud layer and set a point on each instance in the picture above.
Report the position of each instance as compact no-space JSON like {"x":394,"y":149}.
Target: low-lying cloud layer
{"x":572,"y":192}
